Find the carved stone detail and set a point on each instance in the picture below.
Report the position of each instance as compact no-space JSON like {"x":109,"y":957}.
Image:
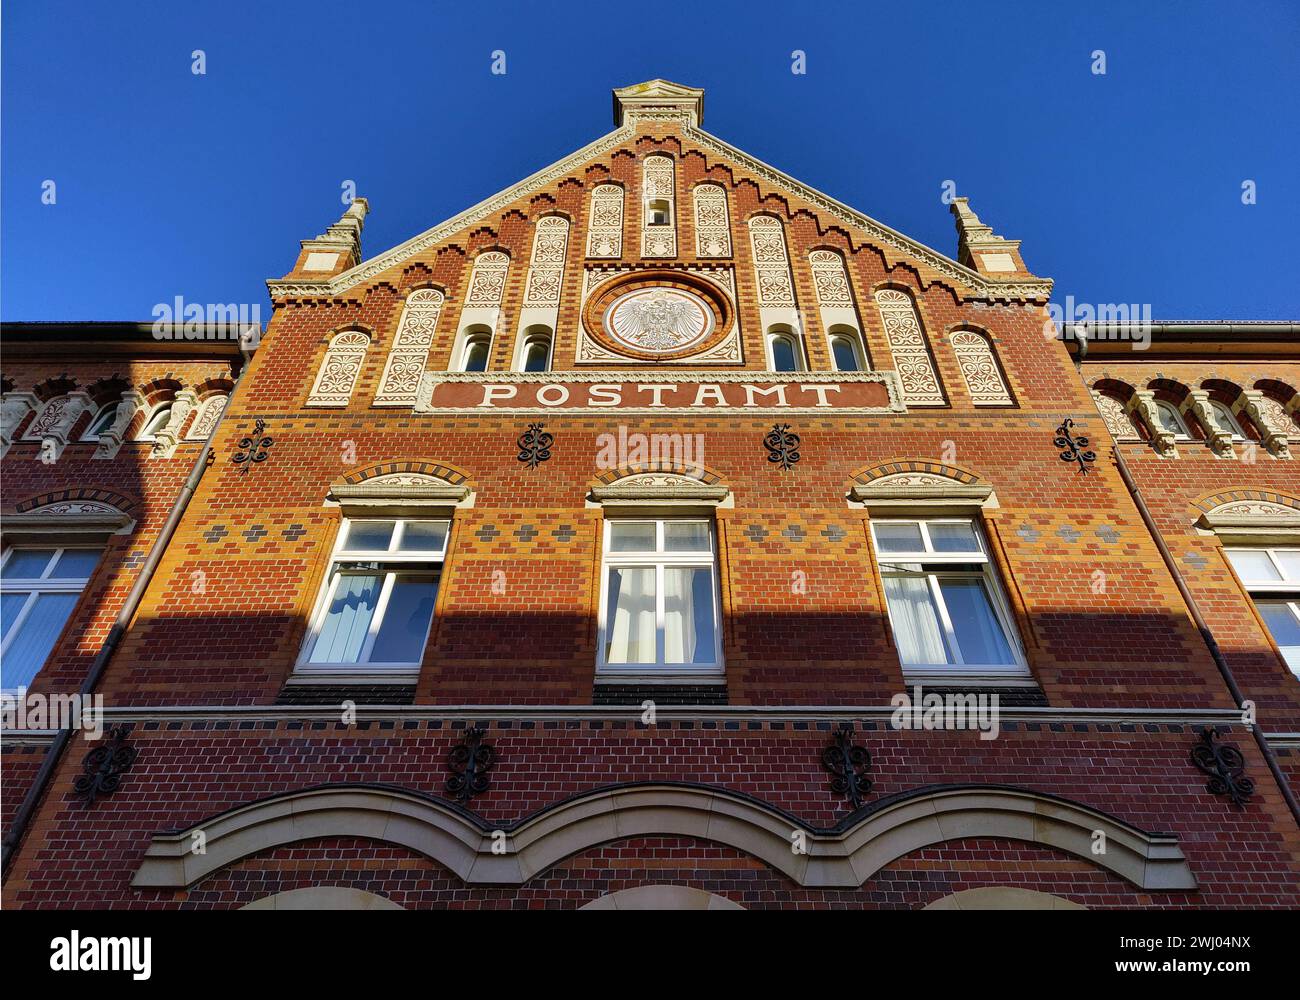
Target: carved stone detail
{"x":830,"y":279}
{"x":1274,"y":423}
{"x":908,"y":345}
{"x":13,"y":410}
{"x":980,"y":369}
{"x":1163,"y":441}
{"x":658,"y":184}
{"x":210,"y":411}
{"x":487,"y":281}
{"x":410,"y":351}
{"x":546,"y":269}
{"x":1114,"y":413}
{"x":605,"y":225}
{"x":771,"y":262}
{"x":166,"y":440}
{"x":111,"y":438}
{"x":1220,"y":437}
{"x":339,"y":369}
{"x":712,"y":222}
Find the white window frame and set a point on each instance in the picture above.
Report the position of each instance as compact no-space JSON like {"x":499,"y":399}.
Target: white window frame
{"x":651,"y":210}
{"x":1223,"y":412}
{"x":800,"y":365}
{"x":992,"y":586}
{"x":659,"y":560}
{"x":855,"y":345}
{"x":43,"y":584}
{"x":470,"y":341}
{"x":1272,"y":591}
{"x":91,"y":434}
{"x":1182,"y":434}
{"x":390,"y":561}
{"x":146,"y":434}
{"x":529,"y":341}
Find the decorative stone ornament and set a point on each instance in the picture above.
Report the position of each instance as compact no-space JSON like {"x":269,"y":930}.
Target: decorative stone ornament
{"x":1075,"y":447}
{"x":1225,"y":765}
{"x":908,"y":345}
{"x":469,"y":763}
{"x":103,"y":767}
{"x":659,"y":320}
{"x":848,"y":765}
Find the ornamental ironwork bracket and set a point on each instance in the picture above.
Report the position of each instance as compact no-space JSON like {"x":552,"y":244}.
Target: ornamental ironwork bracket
{"x":1225,"y":765}
{"x":535,"y":445}
{"x":1076,"y":448}
{"x":782,"y":446}
{"x":469,"y":762}
{"x":104,"y":766}
{"x":848,"y":765}
{"x":252,"y":449}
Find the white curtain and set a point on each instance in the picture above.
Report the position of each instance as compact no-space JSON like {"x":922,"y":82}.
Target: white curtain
{"x":343,"y":632}
{"x":630,"y":620}
{"x":681,"y":634}
{"x":915,"y":620}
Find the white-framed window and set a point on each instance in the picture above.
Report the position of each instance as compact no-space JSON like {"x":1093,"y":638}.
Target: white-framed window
{"x":1272,"y":576}
{"x":1224,"y":417}
{"x":156,"y":422}
{"x":39,"y":587}
{"x":102,"y":422}
{"x":846,"y":352}
{"x":474,"y":354}
{"x":657,"y":212}
{"x":1171,"y":420}
{"x":377,"y":605}
{"x":659,"y":608}
{"x":946,"y":608}
{"x":537,"y":352}
{"x":783,"y":352}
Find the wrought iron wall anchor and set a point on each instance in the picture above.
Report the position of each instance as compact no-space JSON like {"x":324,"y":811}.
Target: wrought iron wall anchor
{"x":535,"y":445}
{"x":848,"y":765}
{"x":469,"y":761}
{"x":782,"y":446}
{"x":1075,"y":447}
{"x":1225,"y":765}
{"x":253,"y":448}
{"x":104,"y":766}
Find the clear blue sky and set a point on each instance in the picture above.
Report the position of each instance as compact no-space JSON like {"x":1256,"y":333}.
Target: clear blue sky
{"x":1124,"y":187}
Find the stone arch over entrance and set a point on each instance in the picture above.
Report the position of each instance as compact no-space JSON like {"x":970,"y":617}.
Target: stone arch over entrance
{"x":323,"y":897}
{"x":661,"y":897}
{"x":1002,"y":898}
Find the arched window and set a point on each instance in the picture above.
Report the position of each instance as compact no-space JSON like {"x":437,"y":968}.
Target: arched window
{"x":1226,"y":420}
{"x":339,"y":369}
{"x":537,"y":352}
{"x":658,"y":212}
{"x":156,"y":422}
{"x":1171,"y":420}
{"x":474,"y":355}
{"x":783,"y":352}
{"x":846,"y":352}
{"x":103,"y":421}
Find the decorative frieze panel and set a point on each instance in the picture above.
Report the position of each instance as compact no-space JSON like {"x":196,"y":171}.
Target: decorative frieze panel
{"x":209,"y":413}
{"x":1118,"y":421}
{"x":487,"y":282}
{"x":546,"y":270}
{"x":410,"y":350}
{"x":712,"y":222}
{"x":658,"y":187}
{"x":771,"y":262}
{"x":907,"y":344}
{"x":830,"y":279}
{"x":980,"y":369}
{"x":339,"y":370}
{"x":605,"y":225}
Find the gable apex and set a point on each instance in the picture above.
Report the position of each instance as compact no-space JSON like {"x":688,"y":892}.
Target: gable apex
{"x":658,"y":98}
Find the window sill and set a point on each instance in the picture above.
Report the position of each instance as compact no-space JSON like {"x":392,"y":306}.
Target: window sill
{"x":948,"y":678}
{"x":304,"y":675}
{"x":659,"y":675}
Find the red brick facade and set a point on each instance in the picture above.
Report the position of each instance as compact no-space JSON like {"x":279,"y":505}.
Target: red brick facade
{"x":1118,"y":685}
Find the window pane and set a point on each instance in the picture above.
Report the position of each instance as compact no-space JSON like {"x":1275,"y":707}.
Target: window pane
{"x":75,"y":564}
{"x":369,"y":536}
{"x":630,"y":616}
{"x":688,"y":615}
{"x":949,"y":537}
{"x":632,"y":536}
{"x":1169,"y":419}
{"x":36,"y":638}
{"x":1253,"y":565}
{"x":979,"y":633}
{"x":686,"y":536}
{"x":343,"y":632}
{"x":10,"y":605}
{"x":535,"y":358}
{"x":103,"y":420}
{"x":423,"y":536}
{"x":783,"y":355}
{"x":915,"y":620}
{"x":476,"y":356}
{"x":27,"y":564}
{"x":1290,"y":562}
{"x":898,"y":536}
{"x":845,"y":359}
{"x":406,"y":620}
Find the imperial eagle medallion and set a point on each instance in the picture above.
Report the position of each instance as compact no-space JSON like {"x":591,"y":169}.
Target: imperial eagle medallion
{"x":658,"y":320}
